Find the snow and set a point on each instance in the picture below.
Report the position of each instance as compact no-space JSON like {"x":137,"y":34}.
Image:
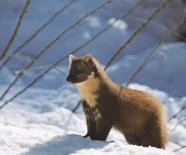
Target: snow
{"x":43,"y":124}
{"x":40,"y":121}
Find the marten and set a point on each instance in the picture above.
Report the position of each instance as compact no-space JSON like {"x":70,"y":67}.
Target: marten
{"x":136,"y":114}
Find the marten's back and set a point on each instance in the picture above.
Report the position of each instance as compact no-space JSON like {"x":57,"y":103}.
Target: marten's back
{"x":139,"y":99}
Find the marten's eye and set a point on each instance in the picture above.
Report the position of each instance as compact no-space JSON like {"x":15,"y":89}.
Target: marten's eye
{"x":79,"y":71}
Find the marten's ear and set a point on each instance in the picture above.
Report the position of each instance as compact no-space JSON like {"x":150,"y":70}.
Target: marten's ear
{"x":88,"y":58}
{"x":70,"y":58}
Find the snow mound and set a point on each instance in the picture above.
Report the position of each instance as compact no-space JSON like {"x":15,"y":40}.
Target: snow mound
{"x":44,"y":124}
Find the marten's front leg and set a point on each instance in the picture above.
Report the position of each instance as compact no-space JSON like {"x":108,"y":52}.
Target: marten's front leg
{"x":91,"y":128}
{"x":98,"y":125}
{"x":103,"y":126}
{"x":91,"y":124}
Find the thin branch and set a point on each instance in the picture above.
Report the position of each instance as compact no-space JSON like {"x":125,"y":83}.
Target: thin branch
{"x":147,"y":21}
{"x":176,"y":114}
{"x":77,"y":106}
{"x":177,"y":34}
{"x":12,"y":38}
{"x":72,"y":52}
{"x":177,"y":123}
{"x":106,"y":28}
{"x":173,"y":129}
{"x":59,"y":70}
{"x":153,"y":52}
{"x":51,"y":44}
{"x":180,"y":148}
{"x":41,"y":28}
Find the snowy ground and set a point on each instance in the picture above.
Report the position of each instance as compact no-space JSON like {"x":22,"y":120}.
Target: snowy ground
{"x":40,"y":121}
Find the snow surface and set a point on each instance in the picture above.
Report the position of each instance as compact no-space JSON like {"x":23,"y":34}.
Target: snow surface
{"x":40,"y":122}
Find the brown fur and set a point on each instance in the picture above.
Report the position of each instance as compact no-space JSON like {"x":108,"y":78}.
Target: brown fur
{"x":136,"y":114}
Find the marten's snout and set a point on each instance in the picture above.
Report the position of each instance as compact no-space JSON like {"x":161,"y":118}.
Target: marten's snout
{"x":68,"y":78}
{"x":72,"y":78}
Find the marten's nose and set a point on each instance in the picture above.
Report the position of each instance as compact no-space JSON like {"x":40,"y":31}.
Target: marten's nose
{"x":68,"y":78}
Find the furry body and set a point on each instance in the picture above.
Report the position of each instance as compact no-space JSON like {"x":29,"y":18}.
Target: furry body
{"x":136,"y":114}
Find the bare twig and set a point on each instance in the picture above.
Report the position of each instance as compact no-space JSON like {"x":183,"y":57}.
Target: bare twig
{"x":177,"y":34}
{"x":178,"y":123}
{"x":59,"y":70}
{"x":176,"y":114}
{"x":51,"y":44}
{"x":12,"y":38}
{"x":146,"y":22}
{"x":72,"y":52}
{"x":153,"y":52}
{"x":106,"y":28}
{"x":41,"y":28}
{"x":77,"y":106}
{"x":180,"y":148}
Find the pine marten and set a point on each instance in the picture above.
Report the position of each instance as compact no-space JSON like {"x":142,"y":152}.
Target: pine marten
{"x":136,"y":114}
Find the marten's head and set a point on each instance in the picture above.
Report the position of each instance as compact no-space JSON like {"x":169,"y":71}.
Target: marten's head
{"x":81,"y":68}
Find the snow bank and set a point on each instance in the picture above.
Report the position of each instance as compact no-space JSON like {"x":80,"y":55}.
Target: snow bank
{"x":40,"y":124}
